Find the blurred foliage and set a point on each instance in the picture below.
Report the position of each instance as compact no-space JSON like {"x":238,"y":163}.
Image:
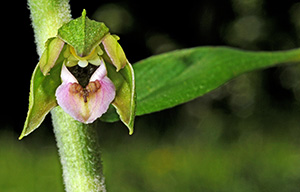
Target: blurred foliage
{"x":27,"y":167}
{"x":242,"y":137}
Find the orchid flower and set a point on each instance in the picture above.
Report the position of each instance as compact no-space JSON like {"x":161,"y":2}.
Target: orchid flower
{"x":84,"y":70}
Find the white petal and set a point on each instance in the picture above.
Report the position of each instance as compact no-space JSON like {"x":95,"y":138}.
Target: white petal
{"x":66,"y":76}
{"x":100,"y":73}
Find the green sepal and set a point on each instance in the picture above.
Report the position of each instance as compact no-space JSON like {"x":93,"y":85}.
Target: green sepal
{"x":125,"y":100}
{"x":42,"y":96}
{"x":51,"y":53}
{"x":83,"y":34}
{"x":114,"y":52}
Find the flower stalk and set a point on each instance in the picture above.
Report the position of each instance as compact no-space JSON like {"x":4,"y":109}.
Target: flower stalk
{"x":77,"y":143}
{"x":47,"y":17}
{"x":79,"y":153}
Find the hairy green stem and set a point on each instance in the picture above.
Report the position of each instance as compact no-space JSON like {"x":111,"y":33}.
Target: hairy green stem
{"x":47,"y":17}
{"x":78,"y":150}
{"x":80,"y":156}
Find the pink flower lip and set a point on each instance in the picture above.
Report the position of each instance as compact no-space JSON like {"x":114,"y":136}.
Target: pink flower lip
{"x":89,"y":103}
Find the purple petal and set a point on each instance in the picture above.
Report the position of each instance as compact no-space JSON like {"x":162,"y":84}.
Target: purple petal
{"x":89,"y":103}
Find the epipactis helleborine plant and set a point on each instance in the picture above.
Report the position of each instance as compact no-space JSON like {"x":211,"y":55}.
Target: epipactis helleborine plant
{"x":83,"y":70}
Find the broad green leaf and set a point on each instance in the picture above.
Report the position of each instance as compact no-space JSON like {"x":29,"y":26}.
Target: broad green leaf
{"x":42,"y":97}
{"x":83,"y":34}
{"x":169,"y":79}
{"x":125,"y":100}
{"x":53,"y":48}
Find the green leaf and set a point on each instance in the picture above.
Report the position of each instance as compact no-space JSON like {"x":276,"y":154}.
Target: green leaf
{"x":42,"y":97}
{"x":169,"y":79}
{"x":125,"y":100}
{"x":53,"y":48}
{"x":83,"y":34}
